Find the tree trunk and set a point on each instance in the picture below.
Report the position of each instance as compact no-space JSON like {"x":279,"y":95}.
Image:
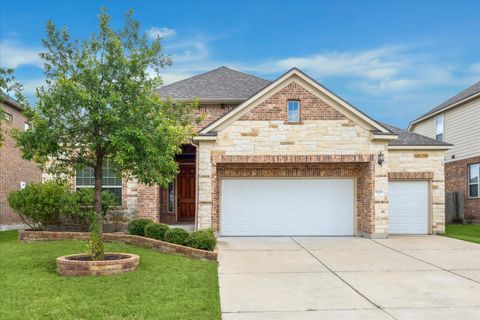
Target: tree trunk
{"x":97,"y":200}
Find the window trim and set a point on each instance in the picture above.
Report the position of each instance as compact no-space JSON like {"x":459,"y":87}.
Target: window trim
{"x":104,"y":186}
{"x":442,"y":133}
{"x":298,"y":111}
{"x":174,"y":204}
{"x":27,"y":126}
{"x":473,"y":184}
{"x":7,"y":116}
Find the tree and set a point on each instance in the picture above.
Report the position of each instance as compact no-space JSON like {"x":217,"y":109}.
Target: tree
{"x":99,"y":103}
{"x":8,"y":85}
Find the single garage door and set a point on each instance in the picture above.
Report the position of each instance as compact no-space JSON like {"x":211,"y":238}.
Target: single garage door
{"x":284,"y":207}
{"x":408,"y":207}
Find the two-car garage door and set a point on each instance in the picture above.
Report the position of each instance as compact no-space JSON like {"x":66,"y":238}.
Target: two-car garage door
{"x":283,"y":207}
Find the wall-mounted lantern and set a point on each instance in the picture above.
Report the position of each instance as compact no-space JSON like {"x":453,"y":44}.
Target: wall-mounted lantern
{"x":381,"y":158}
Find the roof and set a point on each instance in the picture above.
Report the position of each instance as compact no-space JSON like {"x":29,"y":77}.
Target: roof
{"x":10,"y":101}
{"x":407,"y":138}
{"x":221,"y":84}
{"x":465,"y":94}
{"x":294,"y":71}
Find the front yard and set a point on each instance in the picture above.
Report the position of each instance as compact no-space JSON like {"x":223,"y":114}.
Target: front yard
{"x":467,"y":232}
{"x":163,"y":287}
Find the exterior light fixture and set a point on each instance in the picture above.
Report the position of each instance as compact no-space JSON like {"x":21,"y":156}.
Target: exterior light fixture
{"x":381,"y":158}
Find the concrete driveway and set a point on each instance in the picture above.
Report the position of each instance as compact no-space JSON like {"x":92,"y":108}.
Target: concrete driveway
{"x":408,"y":277}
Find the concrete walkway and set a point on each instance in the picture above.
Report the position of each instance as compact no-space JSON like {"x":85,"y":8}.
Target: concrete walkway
{"x":403,"y":278}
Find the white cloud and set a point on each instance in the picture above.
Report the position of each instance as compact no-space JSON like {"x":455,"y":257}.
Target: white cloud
{"x":189,"y":50}
{"x":171,"y":77}
{"x":30,"y":85}
{"x":154,"y":32}
{"x":14,"y":54}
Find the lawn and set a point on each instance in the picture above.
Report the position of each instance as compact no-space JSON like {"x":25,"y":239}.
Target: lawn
{"x":467,"y":232}
{"x":163,"y":287}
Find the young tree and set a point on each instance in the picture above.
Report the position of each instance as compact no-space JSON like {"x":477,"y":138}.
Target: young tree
{"x":99,"y":103}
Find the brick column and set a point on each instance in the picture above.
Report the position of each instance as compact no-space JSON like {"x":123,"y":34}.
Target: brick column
{"x":148,"y":201}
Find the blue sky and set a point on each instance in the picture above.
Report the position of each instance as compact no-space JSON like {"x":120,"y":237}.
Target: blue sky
{"x":393,"y":60}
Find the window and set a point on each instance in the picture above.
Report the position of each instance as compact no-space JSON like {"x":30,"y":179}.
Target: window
{"x":27,"y":126}
{"x":7,"y":116}
{"x":474,"y":180}
{"x":171,"y":197}
{"x":293,"y":111}
{"x":111,"y":181}
{"x":439,"y":128}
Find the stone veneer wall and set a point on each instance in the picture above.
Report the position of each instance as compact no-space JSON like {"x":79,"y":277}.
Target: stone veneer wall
{"x":456,"y":180}
{"x":423,"y":165}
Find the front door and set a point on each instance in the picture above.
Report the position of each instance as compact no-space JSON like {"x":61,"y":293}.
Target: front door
{"x":186,"y":193}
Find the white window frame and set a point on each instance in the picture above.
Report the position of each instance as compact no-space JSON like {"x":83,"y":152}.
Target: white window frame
{"x":474,"y":183}
{"x":440,"y":127}
{"x":7,"y":116}
{"x":298,"y":111}
{"x":171,"y":207}
{"x":27,"y":126}
{"x":103,"y":186}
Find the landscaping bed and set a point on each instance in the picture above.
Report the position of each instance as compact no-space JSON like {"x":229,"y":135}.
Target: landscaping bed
{"x":467,"y":232}
{"x":164,"y":286}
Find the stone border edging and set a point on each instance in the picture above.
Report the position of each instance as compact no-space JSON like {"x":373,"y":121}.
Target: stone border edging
{"x":161,"y":246}
{"x":76,"y":268}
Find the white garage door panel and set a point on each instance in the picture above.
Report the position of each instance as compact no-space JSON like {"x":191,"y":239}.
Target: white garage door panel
{"x":408,"y":207}
{"x":253,"y":207}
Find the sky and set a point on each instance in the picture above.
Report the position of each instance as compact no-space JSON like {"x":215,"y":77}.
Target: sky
{"x":394,"y":60}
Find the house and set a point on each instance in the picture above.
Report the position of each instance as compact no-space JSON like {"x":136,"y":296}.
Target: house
{"x":289,"y":157}
{"x":457,"y":121}
{"x":15,"y":173}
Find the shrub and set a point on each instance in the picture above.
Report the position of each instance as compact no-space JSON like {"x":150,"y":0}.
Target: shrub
{"x":41,"y":204}
{"x":156,"y":230}
{"x":202,"y":239}
{"x":176,"y":235}
{"x":136,"y":227}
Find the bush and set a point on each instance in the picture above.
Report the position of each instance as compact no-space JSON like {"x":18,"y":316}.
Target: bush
{"x":137,"y":227}
{"x":156,"y":230}
{"x":202,"y":239}
{"x":42,"y":204}
{"x":176,"y":235}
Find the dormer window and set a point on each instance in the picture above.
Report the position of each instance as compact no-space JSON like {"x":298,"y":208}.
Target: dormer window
{"x":293,"y":108}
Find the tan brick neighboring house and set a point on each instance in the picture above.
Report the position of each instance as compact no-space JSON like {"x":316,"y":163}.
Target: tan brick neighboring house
{"x":289,"y":157}
{"x":457,"y":121}
{"x":14,"y":171}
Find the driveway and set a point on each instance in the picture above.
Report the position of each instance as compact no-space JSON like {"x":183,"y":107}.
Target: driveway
{"x":408,"y":277}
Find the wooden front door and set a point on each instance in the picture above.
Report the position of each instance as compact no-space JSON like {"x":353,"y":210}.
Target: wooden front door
{"x":186,"y":193}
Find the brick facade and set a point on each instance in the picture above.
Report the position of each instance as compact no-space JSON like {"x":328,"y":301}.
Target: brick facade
{"x":311,"y":106}
{"x":456,"y":180}
{"x":13,"y":169}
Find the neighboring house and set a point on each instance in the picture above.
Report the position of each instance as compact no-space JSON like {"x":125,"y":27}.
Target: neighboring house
{"x":289,"y":157}
{"x":15,"y":172}
{"x":457,"y":121}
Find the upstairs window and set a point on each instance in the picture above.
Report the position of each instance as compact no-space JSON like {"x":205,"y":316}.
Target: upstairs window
{"x":7,"y":116}
{"x":439,"y":128}
{"x":27,"y":126}
{"x":111,"y":181}
{"x":293,"y":111}
{"x":474,"y":180}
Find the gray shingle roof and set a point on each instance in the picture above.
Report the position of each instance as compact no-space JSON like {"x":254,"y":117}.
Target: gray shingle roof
{"x":470,"y":91}
{"x":10,"y":101}
{"x":407,"y":138}
{"x":219,"y":84}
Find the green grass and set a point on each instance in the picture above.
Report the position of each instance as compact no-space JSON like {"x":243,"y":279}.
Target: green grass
{"x":467,"y":232}
{"x":163,"y":287}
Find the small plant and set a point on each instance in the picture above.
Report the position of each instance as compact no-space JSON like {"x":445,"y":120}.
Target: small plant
{"x":136,"y":227}
{"x":95,"y":245}
{"x":41,"y":204}
{"x":176,"y":235}
{"x":156,"y":230}
{"x":202,"y":239}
